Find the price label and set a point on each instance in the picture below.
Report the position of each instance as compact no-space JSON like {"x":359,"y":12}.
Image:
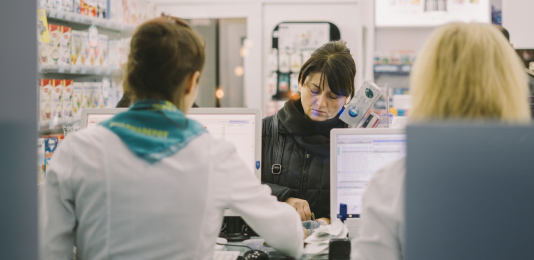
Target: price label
{"x":73,"y":69}
{"x":83,"y":70}
{"x":98,"y":70}
{"x":61,"y":69}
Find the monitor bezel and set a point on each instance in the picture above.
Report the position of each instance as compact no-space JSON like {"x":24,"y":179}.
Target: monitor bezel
{"x":333,"y":161}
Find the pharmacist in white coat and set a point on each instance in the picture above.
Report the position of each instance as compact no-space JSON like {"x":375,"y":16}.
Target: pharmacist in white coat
{"x":464,"y":72}
{"x":150,"y":183}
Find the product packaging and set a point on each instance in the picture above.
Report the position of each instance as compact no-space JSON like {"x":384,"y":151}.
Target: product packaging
{"x":66,"y":5}
{"x":50,"y":143}
{"x":283,"y":82}
{"x":361,"y":104}
{"x":102,"y":50}
{"x":294,"y":82}
{"x":271,"y":83}
{"x":67,"y":99}
{"x":283,"y":62}
{"x":86,"y":50}
{"x":76,"y":6}
{"x":113,"y":53}
{"x":40,"y":160}
{"x":106,"y":93}
{"x":52,"y":4}
{"x":43,"y":37}
{"x":57,"y":104}
{"x":76,"y":48}
{"x":88,"y":7}
{"x":295,"y":61}
{"x":116,"y":11}
{"x":45,"y":97}
{"x":96,"y":95}
{"x":93,"y":45}
{"x":77,"y":99}
{"x":102,"y":9}
{"x":65,"y":45}
{"x":87,"y":94}
{"x":54,"y":44}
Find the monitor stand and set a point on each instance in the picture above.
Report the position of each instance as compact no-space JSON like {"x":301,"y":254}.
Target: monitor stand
{"x":234,"y":229}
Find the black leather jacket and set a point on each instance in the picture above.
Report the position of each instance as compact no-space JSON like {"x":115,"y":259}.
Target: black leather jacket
{"x":305,"y":171}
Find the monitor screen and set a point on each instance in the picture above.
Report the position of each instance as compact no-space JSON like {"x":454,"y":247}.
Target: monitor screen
{"x":359,"y":156}
{"x":239,"y":129}
{"x":95,"y":119}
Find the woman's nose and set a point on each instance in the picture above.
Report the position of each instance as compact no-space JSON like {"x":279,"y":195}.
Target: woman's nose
{"x":321,"y":100}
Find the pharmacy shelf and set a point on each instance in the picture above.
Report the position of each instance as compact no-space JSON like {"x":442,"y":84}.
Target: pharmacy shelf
{"x":69,"y":17}
{"x":392,"y":69}
{"x":80,"y":70}
{"x":56,"y":127}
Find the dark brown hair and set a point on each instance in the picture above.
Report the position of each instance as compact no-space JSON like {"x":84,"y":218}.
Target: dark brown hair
{"x":335,"y":62}
{"x":163,"y":52}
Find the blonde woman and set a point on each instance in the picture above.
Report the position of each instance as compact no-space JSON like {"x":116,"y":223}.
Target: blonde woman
{"x":464,"y":72}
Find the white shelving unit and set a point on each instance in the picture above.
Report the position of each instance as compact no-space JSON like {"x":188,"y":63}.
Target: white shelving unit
{"x":88,"y":20}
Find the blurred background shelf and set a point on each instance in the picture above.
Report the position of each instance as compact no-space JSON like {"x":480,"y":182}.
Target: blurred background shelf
{"x":80,"y":70}
{"x":68,"y":17}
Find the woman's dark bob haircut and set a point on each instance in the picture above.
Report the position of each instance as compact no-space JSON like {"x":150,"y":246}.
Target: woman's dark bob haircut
{"x":334,"y":61}
{"x":163,"y":52}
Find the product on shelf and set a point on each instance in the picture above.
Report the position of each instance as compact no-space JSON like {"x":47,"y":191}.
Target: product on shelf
{"x":53,"y":4}
{"x":53,"y":47}
{"x":93,"y":45}
{"x":51,"y":143}
{"x":65,"y":46}
{"x":43,"y":36}
{"x":67,"y":99}
{"x":86,"y":50}
{"x":88,"y":7}
{"x":87,"y":94}
{"x":106,"y":93}
{"x":45,"y":98}
{"x":95,"y":95}
{"x":76,"y":6}
{"x":66,"y":5}
{"x":116,"y":11}
{"x":76,"y":48}
{"x":295,"y":61}
{"x":102,"y":9}
{"x":57,"y":104}
{"x":113,"y":53}
{"x":77,"y":99}
{"x":40,"y":160}
{"x":102,"y":54}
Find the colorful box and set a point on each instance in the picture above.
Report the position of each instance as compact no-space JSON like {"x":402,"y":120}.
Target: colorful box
{"x":77,"y":99}
{"x":86,"y":49}
{"x":40,"y":160}
{"x":54,"y":44}
{"x":88,"y":7}
{"x":45,"y":97}
{"x":57,"y":104}
{"x":87,"y":94}
{"x":67,"y":99}
{"x":102,"y":53}
{"x":76,"y":48}
{"x":65,"y":46}
{"x":96,"y":95}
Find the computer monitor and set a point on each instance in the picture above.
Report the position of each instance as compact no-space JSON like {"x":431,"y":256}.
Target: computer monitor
{"x":355,"y":155}
{"x":240,"y":126}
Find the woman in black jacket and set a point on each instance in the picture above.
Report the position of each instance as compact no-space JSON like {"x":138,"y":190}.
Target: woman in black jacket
{"x":296,"y":140}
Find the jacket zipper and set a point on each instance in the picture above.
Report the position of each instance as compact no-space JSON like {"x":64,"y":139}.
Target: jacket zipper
{"x":304,"y":172}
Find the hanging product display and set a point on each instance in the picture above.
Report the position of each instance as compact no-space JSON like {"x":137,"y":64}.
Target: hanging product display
{"x":293,"y":43}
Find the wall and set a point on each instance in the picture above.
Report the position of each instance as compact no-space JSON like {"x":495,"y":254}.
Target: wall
{"x":517,"y":18}
{"x":233,"y":32}
{"x":206,"y":92}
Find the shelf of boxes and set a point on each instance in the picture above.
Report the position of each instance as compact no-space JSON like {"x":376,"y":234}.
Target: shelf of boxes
{"x":392,"y":69}
{"x":80,"y":70}
{"x":70,"y":17}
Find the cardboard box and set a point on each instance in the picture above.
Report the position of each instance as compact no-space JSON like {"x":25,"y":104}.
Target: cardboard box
{"x":76,"y":48}
{"x":54,"y":44}
{"x":45,"y":97}
{"x":65,"y":45}
{"x":57,"y":104}
{"x":77,"y":99}
{"x":67,"y":99}
{"x":87,"y":94}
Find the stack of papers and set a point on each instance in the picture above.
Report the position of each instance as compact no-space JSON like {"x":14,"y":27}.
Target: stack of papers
{"x":318,"y":242}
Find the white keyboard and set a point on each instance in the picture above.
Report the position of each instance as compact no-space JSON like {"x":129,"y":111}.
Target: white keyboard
{"x":225,"y":255}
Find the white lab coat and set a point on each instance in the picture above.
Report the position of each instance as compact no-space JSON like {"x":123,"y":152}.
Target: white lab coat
{"x":381,"y":234}
{"x":110,"y":204}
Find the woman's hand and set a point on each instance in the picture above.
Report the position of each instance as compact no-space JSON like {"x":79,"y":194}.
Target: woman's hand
{"x":302,"y":207}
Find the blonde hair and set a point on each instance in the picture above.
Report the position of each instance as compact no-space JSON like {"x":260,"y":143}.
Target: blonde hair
{"x":469,"y":71}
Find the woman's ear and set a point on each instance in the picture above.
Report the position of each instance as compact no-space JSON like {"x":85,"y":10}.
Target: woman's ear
{"x":192,"y":82}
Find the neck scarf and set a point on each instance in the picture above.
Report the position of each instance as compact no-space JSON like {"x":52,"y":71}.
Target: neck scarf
{"x":154,"y":129}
